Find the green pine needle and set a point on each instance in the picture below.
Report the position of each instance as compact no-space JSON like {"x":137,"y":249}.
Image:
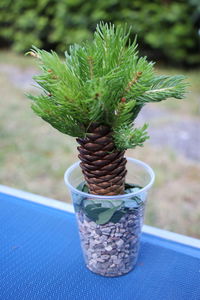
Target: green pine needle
{"x":126,"y":137}
{"x":100,"y":81}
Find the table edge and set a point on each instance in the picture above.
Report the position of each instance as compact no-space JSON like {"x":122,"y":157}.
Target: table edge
{"x":172,"y":236}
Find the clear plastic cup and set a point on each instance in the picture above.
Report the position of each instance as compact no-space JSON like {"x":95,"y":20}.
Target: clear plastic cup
{"x":110,"y":226}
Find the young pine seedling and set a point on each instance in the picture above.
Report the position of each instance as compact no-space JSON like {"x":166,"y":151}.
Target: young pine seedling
{"x":95,"y":95}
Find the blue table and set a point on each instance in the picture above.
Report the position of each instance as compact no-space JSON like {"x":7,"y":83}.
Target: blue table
{"x":40,"y":258}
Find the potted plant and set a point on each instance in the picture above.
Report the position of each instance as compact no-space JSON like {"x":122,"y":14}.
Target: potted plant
{"x":95,"y":95}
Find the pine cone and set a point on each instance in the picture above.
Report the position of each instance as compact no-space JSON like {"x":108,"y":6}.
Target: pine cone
{"x":102,"y":164}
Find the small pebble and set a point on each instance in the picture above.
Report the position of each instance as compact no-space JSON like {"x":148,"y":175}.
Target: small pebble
{"x":98,"y":231}
{"x":119,"y":243}
{"x":94,"y":255}
{"x":106,"y":230}
{"x":108,"y":248}
{"x":121,"y":255}
{"x":105,"y":256}
{"x":111,"y":249}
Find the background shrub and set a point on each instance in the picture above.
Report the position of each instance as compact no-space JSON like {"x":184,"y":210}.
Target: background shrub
{"x":166,"y":29}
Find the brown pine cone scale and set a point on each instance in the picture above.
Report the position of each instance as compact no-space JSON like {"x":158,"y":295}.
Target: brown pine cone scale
{"x":103,"y":166}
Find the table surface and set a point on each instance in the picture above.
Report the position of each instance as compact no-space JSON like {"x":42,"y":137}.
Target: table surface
{"x":40,"y":258}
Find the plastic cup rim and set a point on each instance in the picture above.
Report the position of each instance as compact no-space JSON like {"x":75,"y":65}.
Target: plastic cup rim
{"x":133,"y":160}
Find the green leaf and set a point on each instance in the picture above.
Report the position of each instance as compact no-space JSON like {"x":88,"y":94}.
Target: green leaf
{"x":103,"y":211}
{"x":80,"y":186}
{"x":135,"y":201}
{"x":94,"y":212}
{"x":105,"y":216}
{"x":117,"y":216}
{"x":132,"y":202}
{"x":91,"y":207}
{"x":131,"y":186}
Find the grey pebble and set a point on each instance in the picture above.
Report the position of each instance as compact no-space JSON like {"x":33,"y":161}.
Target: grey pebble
{"x":98,"y":231}
{"x":120,"y":243}
{"x":108,"y":248}
{"x":106,"y":230}
{"x":114,"y":251}
{"x":111,"y":249}
{"x":105,"y":256}
{"x":121,"y":255}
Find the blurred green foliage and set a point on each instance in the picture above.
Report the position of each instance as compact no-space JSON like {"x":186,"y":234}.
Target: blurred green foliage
{"x":166,"y":29}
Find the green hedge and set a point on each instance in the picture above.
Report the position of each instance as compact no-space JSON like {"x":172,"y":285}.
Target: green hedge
{"x":165,"y":29}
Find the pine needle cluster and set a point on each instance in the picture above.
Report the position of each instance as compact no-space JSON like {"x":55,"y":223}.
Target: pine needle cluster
{"x":103,"y":81}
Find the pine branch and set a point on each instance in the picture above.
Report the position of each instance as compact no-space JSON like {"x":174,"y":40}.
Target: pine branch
{"x":133,"y":81}
{"x":102,"y":81}
{"x":57,"y":116}
{"x":164,"y":87}
{"x":126,"y":137}
{"x":124,"y":113}
{"x":90,"y":61}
